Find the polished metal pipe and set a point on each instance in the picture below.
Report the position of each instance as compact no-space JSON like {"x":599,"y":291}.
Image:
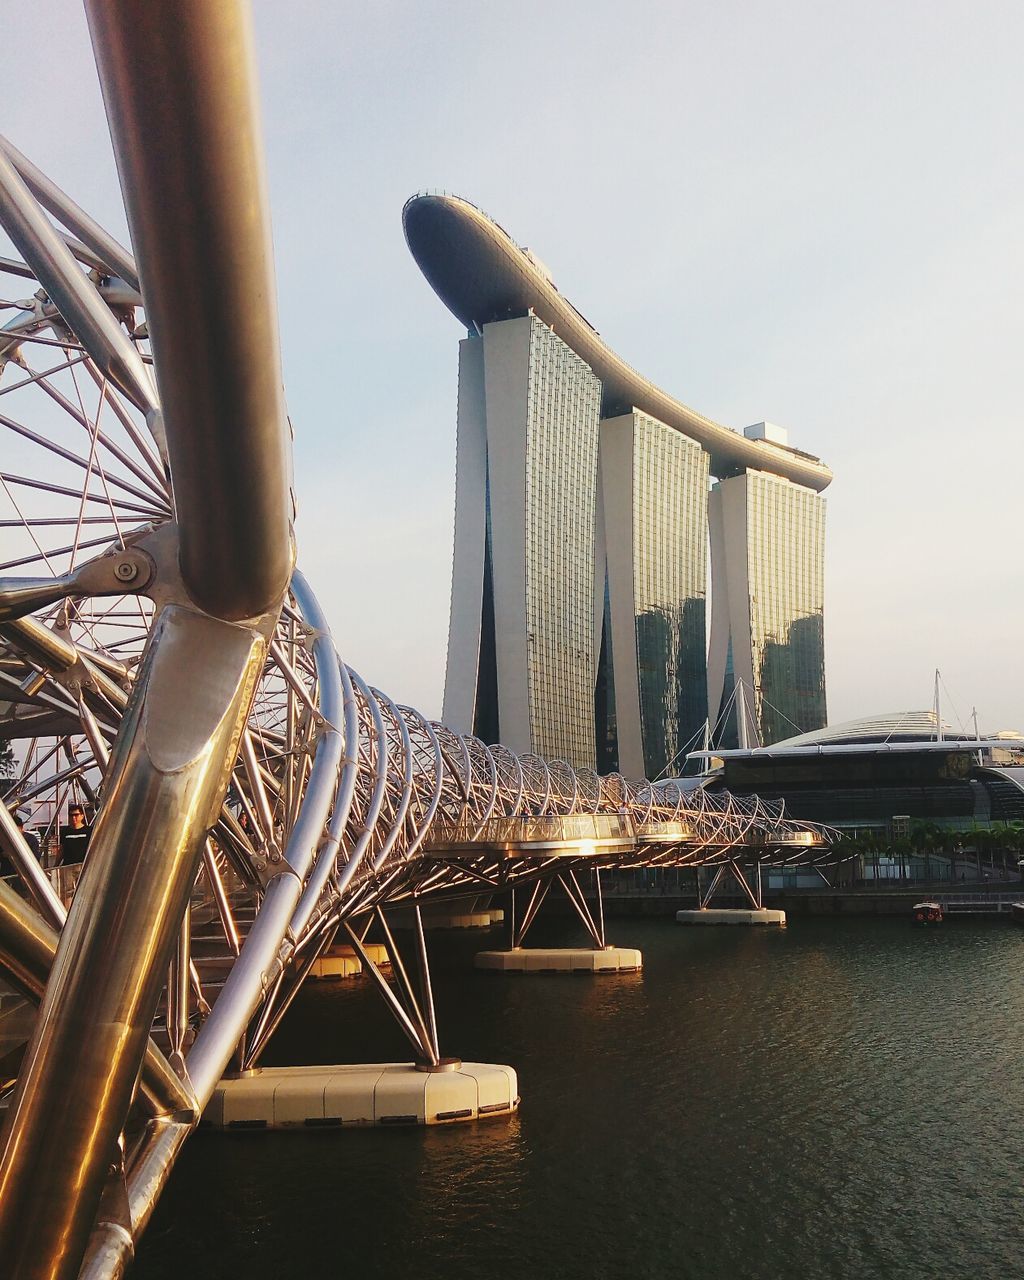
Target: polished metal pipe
{"x":261,"y":801}
{"x":401,"y":807}
{"x":381,"y":755}
{"x":227,"y":917}
{"x":27,"y":948}
{"x":28,"y":867}
{"x":428,"y":992}
{"x":40,"y":644}
{"x":179,"y":89}
{"x":27,"y":944}
{"x":436,"y":773}
{"x":110,"y":1251}
{"x":312,"y":895}
{"x":56,"y":654}
{"x":167,"y":780}
{"x":76,"y":298}
{"x":268,"y":944}
{"x":411,"y":1003}
{"x":178,"y":988}
{"x":416,"y":1035}
{"x":96,"y":740}
{"x":91,"y":234}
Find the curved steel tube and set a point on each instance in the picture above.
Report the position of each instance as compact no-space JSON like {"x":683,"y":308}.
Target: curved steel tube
{"x":86,"y":313}
{"x":50,"y":196}
{"x":261,"y":956}
{"x":191,"y":169}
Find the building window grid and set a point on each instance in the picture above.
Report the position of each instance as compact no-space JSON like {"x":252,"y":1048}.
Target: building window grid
{"x":670,"y":488}
{"x":562,"y":426}
{"x":785,"y":549}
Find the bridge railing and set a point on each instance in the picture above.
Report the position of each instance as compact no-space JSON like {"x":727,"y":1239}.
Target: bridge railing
{"x":785,"y":836}
{"x":579,"y":829}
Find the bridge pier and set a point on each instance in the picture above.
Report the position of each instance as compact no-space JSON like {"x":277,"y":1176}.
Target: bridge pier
{"x":474,"y":913}
{"x":341,"y":961}
{"x":561,"y":960}
{"x":755,"y":913}
{"x":732,"y":915}
{"x":355,"y":1096}
{"x":431,"y":1090}
{"x":598,"y":958}
{"x":478,"y":918}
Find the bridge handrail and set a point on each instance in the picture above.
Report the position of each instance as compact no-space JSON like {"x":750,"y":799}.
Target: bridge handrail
{"x":534,"y":829}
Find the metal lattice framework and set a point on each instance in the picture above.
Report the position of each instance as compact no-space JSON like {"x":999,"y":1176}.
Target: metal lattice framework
{"x":162,"y":665}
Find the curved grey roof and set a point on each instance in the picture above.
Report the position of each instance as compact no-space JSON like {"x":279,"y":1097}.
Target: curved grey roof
{"x":482,"y":275}
{"x":888,"y":733}
{"x":887,"y":726}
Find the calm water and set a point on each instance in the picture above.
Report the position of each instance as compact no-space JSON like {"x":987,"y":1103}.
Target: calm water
{"x":839,"y":1099}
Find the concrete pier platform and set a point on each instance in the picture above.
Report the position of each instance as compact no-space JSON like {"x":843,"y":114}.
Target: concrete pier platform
{"x":331,"y":966}
{"x":342,"y":962}
{"x":561,"y":960}
{"x":484,"y":919}
{"x":451,"y":918}
{"x":382,"y":1093}
{"x":729,"y":915}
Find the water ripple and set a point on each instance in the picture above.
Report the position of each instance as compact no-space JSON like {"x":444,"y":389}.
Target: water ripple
{"x":835,"y":1100}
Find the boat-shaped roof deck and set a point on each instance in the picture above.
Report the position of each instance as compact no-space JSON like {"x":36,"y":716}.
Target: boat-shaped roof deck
{"x":481,"y":275}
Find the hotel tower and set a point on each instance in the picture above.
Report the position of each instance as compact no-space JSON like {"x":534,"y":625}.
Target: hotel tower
{"x":584,"y":512}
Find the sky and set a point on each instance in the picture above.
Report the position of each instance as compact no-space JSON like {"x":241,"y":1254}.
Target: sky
{"x":797,"y":212}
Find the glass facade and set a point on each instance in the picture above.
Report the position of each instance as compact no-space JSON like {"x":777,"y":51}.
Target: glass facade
{"x":670,"y":501}
{"x":563,"y":413}
{"x":529,"y":627}
{"x":605,"y":722}
{"x":786,"y":579}
{"x":486,"y":724}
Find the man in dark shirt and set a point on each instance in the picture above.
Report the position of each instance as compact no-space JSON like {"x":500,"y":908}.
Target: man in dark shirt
{"x":74,"y":839}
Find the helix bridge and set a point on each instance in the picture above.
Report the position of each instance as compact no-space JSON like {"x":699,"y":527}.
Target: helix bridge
{"x":164,"y":664}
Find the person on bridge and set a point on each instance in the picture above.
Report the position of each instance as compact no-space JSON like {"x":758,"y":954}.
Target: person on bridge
{"x":74,"y":839}
{"x":31,"y":839}
{"x":7,"y":867}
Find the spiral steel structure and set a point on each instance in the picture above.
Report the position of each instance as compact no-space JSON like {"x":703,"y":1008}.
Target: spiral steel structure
{"x":252,"y":794}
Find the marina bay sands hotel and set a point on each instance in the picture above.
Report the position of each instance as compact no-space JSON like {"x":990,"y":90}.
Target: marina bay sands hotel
{"x":583,"y":510}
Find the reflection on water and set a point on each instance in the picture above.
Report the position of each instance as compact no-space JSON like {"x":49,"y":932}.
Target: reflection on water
{"x":836,"y":1099}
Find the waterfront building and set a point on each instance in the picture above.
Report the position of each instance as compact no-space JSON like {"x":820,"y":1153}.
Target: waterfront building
{"x":886,"y":778}
{"x":579,"y":582}
{"x":654,"y":484}
{"x":521,"y":659}
{"x":766,"y":662}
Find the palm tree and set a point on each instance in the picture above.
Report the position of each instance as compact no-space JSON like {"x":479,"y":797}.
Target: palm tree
{"x":986,"y":840}
{"x":1008,"y":837}
{"x":1012,"y":835}
{"x":924,"y":836}
{"x":850,"y":848}
{"x":902,"y":847}
{"x":874,"y":842}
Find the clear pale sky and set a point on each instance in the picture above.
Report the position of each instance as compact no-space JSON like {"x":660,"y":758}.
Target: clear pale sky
{"x":801,"y":212}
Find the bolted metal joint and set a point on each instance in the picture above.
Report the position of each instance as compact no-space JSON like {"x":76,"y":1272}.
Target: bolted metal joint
{"x":106,"y":575}
{"x":126,"y":570}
